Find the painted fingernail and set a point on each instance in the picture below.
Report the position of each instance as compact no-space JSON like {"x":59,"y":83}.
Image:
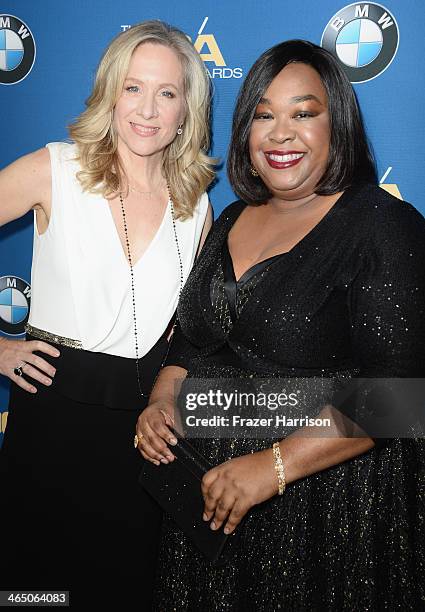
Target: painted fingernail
{"x":205,"y":516}
{"x":227,"y":530}
{"x":213,"y":525}
{"x":172,"y":441}
{"x":164,"y":461}
{"x":56,"y":353}
{"x":155,"y":462}
{"x":48,"y":381}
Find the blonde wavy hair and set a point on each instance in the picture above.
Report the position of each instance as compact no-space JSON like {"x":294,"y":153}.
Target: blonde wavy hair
{"x":186,"y":165}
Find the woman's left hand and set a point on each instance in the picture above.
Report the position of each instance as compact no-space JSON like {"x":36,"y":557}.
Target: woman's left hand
{"x":232,"y":488}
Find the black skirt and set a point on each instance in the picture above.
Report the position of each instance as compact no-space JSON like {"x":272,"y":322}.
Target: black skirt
{"x":73,"y":514}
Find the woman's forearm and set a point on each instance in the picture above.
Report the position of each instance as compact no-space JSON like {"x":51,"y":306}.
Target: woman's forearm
{"x":167,"y":385}
{"x":312,"y":449}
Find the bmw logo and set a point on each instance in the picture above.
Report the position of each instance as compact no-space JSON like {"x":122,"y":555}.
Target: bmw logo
{"x":364,"y":39}
{"x":17,"y":50}
{"x":15,"y":298}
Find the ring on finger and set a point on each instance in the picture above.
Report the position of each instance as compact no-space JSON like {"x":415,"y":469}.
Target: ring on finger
{"x":137,"y":439}
{"x":19,"y":370}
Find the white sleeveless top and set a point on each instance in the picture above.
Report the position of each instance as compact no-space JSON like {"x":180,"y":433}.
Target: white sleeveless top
{"x":81,"y":278}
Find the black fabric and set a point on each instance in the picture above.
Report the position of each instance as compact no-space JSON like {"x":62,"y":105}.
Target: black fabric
{"x":231,"y":285}
{"x":181,"y":349}
{"x":348,"y":297}
{"x":73,"y":514}
{"x":90,"y":377}
{"x":347,"y":301}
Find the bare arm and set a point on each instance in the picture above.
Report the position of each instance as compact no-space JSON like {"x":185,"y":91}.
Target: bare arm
{"x":233,"y":487}
{"x":307,"y":450}
{"x":207,"y":226}
{"x":24,"y":185}
{"x":164,"y":389}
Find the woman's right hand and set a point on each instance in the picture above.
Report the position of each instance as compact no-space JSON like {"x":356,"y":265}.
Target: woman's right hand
{"x":20,"y":353}
{"x":153,"y":432}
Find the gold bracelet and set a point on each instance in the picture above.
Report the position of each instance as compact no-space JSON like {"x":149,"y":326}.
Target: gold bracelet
{"x":279,"y":467}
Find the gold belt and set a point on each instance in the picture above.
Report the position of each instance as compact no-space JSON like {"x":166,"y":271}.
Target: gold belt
{"x":48,"y":337}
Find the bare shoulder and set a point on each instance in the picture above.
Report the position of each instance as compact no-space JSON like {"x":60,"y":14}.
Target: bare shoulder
{"x":35,"y":164}
{"x":25,"y":184}
{"x":32,"y":167}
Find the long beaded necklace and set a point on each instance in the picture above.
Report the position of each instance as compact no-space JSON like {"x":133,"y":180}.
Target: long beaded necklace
{"x":133,"y":294}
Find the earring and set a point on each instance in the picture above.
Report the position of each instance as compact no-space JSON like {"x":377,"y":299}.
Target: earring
{"x":180,"y":129}
{"x":253,"y":171}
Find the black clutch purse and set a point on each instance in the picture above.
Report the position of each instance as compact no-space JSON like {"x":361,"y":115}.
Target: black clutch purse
{"x":176,"y":487}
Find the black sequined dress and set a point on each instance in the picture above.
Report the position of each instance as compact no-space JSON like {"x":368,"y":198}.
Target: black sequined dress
{"x":349,"y":298}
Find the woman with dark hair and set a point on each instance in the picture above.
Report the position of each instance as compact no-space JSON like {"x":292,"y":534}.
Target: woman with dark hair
{"x":315,"y":274}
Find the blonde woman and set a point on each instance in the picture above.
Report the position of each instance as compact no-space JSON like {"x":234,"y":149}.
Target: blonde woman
{"x":120,"y":214}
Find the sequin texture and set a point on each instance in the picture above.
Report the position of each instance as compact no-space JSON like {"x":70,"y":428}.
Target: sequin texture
{"x":348,"y":299}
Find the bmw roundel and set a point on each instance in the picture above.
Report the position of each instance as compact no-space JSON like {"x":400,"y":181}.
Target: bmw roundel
{"x":17,"y":50}
{"x":15,"y":299}
{"x":364,"y":38}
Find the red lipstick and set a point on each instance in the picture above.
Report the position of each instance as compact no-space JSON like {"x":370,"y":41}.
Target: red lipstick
{"x":283,"y":159}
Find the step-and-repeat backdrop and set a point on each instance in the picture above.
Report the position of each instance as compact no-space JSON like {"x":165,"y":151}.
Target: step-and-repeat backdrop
{"x":49,"y":52}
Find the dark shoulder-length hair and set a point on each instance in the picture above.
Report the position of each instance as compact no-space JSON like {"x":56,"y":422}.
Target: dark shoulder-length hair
{"x":350,"y":157}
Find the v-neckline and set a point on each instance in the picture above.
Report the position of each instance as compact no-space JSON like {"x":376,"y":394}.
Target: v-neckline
{"x":250,"y":272}
{"x":151,"y":243}
{"x":231,"y":285}
{"x":279,"y":269}
{"x":305,"y":239}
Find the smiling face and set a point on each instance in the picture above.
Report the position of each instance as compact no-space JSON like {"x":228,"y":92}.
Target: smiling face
{"x":152,"y":104}
{"x":290,"y":133}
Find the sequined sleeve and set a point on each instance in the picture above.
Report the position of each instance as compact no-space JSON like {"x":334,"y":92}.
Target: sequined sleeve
{"x":387,"y":316}
{"x":181,"y":351}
